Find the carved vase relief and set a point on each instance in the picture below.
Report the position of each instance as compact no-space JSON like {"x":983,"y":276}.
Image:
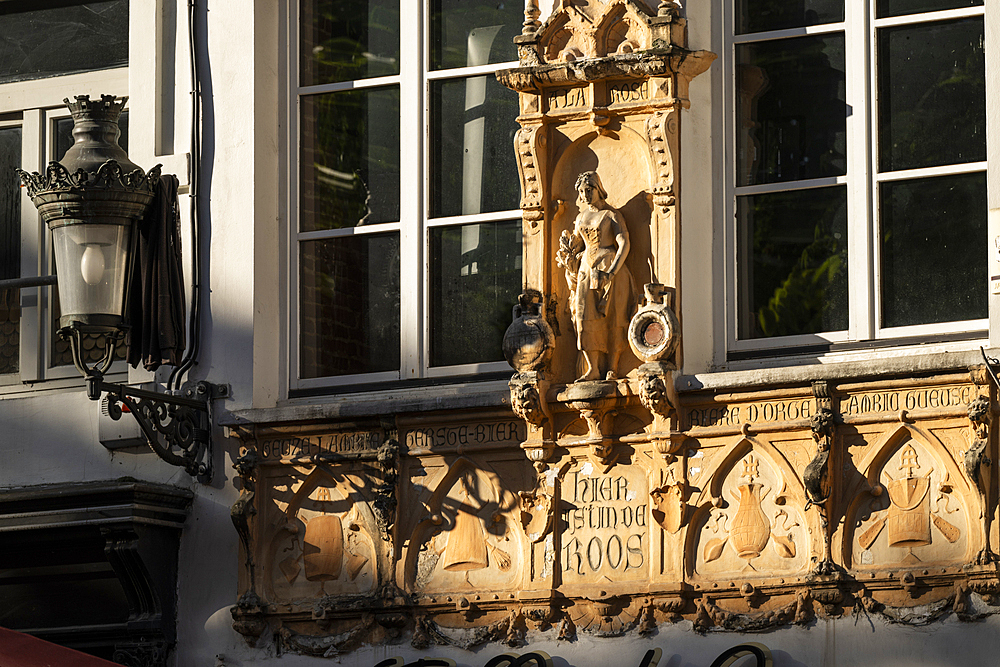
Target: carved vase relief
{"x":751,"y":527}
{"x":912,"y":515}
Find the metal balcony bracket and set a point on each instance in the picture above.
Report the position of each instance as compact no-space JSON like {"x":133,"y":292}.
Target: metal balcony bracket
{"x":177,"y":426}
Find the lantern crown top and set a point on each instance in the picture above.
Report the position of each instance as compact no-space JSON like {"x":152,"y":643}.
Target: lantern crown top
{"x":108,"y":108}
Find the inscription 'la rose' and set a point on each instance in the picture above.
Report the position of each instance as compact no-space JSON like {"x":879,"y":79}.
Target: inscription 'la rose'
{"x":604,"y":525}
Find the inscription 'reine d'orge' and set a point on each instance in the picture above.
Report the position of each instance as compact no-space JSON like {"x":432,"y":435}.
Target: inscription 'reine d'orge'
{"x":604,"y":525}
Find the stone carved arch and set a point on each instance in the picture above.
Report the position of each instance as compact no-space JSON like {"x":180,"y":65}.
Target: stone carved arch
{"x":621,"y":30}
{"x":755,"y":528}
{"x":468,"y":538}
{"x":919,"y":514}
{"x":322,"y":543}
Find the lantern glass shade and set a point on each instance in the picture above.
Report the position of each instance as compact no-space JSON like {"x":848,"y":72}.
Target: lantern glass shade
{"x":91,"y":259}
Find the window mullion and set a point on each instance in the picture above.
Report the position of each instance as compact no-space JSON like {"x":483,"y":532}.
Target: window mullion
{"x":412,"y":213}
{"x":862,"y":220}
{"x":992,"y":38}
{"x":32,"y":238}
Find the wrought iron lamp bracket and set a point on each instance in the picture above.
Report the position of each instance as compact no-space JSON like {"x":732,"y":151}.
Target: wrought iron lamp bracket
{"x":177,"y":426}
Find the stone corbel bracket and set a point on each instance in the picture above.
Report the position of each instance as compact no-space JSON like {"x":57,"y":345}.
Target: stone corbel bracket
{"x":527,"y":345}
{"x":654,"y":334}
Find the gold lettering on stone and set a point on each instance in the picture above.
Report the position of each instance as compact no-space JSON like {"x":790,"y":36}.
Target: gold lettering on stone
{"x":567,"y":98}
{"x":628,"y":91}
{"x":604,"y":525}
{"x":363,"y":442}
{"x":914,"y":399}
{"x":766,"y":411}
{"x":483,"y":433}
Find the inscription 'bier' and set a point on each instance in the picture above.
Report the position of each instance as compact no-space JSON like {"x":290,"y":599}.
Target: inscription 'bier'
{"x":604,"y":526}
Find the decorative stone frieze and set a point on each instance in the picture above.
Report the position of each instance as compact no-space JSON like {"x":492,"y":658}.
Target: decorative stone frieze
{"x":601,"y":501}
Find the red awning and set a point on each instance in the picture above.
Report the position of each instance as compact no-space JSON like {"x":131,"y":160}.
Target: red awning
{"x":21,"y":650}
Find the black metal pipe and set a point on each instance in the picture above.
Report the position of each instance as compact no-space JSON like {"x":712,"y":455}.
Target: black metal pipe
{"x":20,"y":283}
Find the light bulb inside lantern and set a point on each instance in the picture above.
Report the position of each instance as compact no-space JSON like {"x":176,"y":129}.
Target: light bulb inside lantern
{"x":92,"y":264}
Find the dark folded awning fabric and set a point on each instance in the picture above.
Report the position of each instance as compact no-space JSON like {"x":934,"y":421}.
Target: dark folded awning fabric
{"x":155,"y":308}
{"x":21,"y":650}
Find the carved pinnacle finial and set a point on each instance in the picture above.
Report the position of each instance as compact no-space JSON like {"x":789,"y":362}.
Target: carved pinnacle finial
{"x":668,"y":8}
{"x":531,"y":14}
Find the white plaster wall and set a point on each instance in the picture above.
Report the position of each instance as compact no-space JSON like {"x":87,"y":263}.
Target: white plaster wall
{"x":845,"y":642}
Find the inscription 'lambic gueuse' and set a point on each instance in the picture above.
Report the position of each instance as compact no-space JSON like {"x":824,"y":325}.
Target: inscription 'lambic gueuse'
{"x":604,"y":529}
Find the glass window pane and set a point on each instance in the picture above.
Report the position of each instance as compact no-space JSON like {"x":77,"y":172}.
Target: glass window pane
{"x":475,"y":279}
{"x":932,"y":95}
{"x":466,"y":33}
{"x":792,"y":259}
{"x":903,"y":7}
{"x":10,"y":247}
{"x":62,"y":40}
{"x":349,"y":305}
{"x":791,"y":115}
{"x":343,"y":40}
{"x":350,"y":159}
{"x":761,"y":15}
{"x":933,"y":242}
{"x":473,"y":168}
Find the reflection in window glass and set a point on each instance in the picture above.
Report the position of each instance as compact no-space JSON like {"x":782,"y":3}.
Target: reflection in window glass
{"x":62,"y":40}
{"x":933,"y":240}
{"x":349,"y":159}
{"x":903,"y":7}
{"x":465,"y":34}
{"x":473,"y":169}
{"x":791,"y":112}
{"x":932,"y":95}
{"x":10,"y":247}
{"x":475,"y":278}
{"x":349,"y":305}
{"x":761,"y":15}
{"x":792,"y":260}
{"x":343,"y":40}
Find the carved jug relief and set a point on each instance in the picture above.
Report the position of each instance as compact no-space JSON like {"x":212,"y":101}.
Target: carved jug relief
{"x":913,"y":514}
{"x":753,"y":527}
{"x":322,"y":541}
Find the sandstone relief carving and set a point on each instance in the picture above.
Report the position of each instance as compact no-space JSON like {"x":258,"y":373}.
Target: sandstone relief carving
{"x":600,"y":285}
{"x":467,"y":540}
{"x":750,"y":524}
{"x":915,"y":513}
{"x":324,"y":544}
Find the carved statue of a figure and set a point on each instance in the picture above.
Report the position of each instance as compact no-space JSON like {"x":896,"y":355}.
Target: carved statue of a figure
{"x":600,"y":285}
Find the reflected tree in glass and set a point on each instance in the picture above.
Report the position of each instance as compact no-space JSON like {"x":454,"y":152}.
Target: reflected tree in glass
{"x":349,"y":159}
{"x":343,"y":40}
{"x":792,"y":260}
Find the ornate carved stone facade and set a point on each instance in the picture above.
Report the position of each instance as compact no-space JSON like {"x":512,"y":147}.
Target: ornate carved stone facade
{"x":603,"y":500}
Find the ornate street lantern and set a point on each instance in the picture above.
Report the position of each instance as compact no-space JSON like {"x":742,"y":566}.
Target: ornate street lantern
{"x":92,"y":202}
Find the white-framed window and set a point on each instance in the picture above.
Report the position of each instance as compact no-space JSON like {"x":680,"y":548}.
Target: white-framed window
{"x":856,"y":177}
{"x":405,"y":234}
{"x":35,"y":77}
